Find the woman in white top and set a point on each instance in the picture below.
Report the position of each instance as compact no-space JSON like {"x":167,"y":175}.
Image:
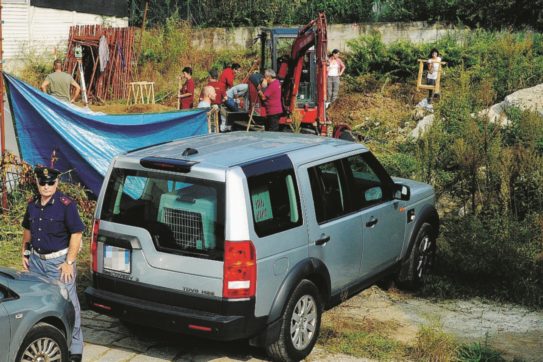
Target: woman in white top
{"x":434,"y":62}
{"x":335,"y":70}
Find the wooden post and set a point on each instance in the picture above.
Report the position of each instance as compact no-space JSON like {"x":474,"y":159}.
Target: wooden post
{"x":141,"y":34}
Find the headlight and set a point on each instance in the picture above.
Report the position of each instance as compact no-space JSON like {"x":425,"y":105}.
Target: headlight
{"x":64,"y":292}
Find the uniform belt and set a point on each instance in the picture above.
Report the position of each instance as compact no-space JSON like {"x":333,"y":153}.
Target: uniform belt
{"x":53,"y":255}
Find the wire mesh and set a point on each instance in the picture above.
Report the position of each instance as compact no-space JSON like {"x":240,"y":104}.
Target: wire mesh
{"x":186,"y":227}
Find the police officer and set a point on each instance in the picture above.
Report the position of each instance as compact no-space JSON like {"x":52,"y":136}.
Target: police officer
{"x":52,"y":231}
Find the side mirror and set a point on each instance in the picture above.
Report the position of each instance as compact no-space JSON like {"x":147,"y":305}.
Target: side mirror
{"x":402,"y":192}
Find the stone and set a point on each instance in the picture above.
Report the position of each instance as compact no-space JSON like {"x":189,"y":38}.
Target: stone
{"x":422,"y":126}
{"x":524,"y":99}
{"x":116,"y":355}
{"x":93,"y":352}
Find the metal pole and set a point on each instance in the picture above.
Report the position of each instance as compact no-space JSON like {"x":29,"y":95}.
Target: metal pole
{"x":2,"y":118}
{"x":82,"y":81}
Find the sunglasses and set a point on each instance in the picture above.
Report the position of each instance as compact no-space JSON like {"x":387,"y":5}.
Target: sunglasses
{"x":50,"y":183}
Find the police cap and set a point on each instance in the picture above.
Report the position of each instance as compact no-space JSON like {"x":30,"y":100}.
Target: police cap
{"x":46,"y":174}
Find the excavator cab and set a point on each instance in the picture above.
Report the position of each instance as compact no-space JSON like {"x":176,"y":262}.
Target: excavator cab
{"x":276,"y":45}
{"x":299,"y":58}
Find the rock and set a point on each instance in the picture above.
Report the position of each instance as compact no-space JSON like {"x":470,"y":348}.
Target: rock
{"x":524,"y":99}
{"x":496,"y":114}
{"x":422,"y":126}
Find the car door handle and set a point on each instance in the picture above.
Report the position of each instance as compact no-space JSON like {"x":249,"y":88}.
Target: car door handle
{"x":373,"y":221}
{"x":322,"y":240}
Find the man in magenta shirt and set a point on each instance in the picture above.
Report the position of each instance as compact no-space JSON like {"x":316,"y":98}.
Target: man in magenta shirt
{"x":271,"y":98}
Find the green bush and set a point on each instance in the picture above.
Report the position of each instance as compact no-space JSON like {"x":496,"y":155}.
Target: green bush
{"x":367,"y":54}
{"x":495,"y":14}
{"x":399,"y":164}
{"x":498,"y":255}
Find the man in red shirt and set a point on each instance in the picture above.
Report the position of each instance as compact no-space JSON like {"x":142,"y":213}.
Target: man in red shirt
{"x":186,"y":93}
{"x":220,"y":91}
{"x":271,"y":98}
{"x":228,"y":75}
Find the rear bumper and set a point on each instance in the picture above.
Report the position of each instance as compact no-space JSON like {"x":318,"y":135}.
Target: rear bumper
{"x":175,"y":318}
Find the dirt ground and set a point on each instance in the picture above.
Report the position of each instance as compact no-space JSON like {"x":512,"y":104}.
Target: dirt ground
{"x":515,"y":331}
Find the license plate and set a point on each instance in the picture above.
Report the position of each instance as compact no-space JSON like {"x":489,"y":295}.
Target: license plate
{"x":117,"y":259}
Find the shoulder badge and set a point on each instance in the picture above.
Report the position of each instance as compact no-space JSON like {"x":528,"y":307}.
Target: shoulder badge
{"x":65,"y":200}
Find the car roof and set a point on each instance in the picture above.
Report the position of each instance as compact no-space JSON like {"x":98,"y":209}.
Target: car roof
{"x":234,"y":148}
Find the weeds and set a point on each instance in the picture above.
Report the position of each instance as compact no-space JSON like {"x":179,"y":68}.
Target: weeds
{"x":432,"y":344}
{"x":479,"y":352}
{"x":361,"y":338}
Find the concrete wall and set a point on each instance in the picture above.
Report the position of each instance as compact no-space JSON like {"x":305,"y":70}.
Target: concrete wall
{"x":338,"y":34}
{"x":27,"y":28}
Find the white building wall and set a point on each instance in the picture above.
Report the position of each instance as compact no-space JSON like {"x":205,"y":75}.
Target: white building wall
{"x":28,"y":29}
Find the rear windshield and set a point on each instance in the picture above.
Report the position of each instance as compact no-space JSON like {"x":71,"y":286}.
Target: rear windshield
{"x":183,"y":215}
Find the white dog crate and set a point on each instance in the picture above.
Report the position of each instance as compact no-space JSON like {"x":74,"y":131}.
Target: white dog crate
{"x":191,"y":214}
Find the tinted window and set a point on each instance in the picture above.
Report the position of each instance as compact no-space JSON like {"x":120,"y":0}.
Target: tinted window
{"x":328,"y":191}
{"x":274,"y":196}
{"x":367,"y":184}
{"x":183,"y":215}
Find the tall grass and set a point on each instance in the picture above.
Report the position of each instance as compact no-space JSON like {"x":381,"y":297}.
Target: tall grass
{"x":490,"y":176}
{"x":509,"y":61}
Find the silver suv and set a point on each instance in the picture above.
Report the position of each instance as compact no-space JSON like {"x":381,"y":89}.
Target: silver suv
{"x":253,"y":235}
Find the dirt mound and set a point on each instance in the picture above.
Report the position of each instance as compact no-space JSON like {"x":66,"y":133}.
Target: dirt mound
{"x":386,"y":114}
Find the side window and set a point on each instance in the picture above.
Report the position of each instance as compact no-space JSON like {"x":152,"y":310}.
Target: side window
{"x":275,"y":202}
{"x":367,"y":186}
{"x":328,"y":191}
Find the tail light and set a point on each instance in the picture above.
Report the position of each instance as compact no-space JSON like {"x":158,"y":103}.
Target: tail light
{"x":94,"y":244}
{"x":239,"y":279}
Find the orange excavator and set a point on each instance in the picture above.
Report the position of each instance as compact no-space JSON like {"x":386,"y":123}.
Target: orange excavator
{"x":299,"y":58}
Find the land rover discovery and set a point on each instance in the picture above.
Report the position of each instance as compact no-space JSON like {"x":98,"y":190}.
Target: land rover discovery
{"x":253,"y":235}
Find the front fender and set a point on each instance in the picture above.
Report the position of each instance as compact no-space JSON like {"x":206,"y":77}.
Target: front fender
{"x":427,"y":214}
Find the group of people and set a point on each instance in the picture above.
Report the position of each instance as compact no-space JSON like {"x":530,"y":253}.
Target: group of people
{"x":221,"y":89}
{"x":213,"y":93}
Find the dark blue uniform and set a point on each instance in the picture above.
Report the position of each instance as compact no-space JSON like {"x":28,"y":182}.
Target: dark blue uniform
{"x":52,"y":225}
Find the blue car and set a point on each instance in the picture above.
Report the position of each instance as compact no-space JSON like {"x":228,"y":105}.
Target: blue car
{"x":36,"y":318}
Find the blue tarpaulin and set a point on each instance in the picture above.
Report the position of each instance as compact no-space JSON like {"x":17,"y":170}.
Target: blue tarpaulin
{"x":84,"y":141}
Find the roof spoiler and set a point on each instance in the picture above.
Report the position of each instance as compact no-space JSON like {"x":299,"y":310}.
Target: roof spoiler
{"x":167,"y":164}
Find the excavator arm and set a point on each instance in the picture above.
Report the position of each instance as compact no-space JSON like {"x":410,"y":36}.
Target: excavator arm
{"x":312,"y":34}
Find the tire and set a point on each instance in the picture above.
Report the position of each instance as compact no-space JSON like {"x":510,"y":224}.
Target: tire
{"x":347,"y":135}
{"x":45,"y":341}
{"x":420,"y":260}
{"x":300,"y":324}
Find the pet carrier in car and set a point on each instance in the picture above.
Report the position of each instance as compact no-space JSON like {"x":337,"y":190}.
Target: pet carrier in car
{"x":191,"y":214}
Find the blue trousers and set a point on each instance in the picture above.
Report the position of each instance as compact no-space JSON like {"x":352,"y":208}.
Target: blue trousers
{"x":48,"y":268}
